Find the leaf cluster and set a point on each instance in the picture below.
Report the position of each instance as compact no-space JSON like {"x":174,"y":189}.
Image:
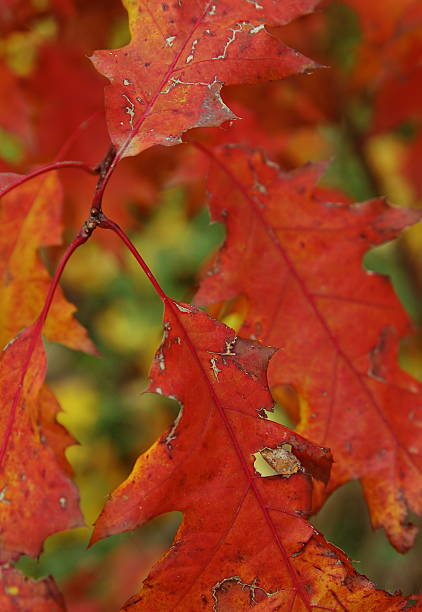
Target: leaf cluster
{"x":196,"y":103}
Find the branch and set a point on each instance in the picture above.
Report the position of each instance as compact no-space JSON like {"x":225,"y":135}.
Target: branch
{"x":105,"y":169}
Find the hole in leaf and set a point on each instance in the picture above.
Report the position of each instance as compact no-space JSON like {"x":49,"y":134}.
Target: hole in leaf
{"x":262,"y":467}
{"x":279,"y":461}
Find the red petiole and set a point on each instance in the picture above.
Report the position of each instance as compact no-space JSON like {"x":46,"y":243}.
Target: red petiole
{"x":106,"y":223}
{"x":58,"y":165}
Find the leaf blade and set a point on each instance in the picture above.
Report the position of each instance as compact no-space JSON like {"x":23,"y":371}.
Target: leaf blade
{"x":34,"y":479}
{"x":30,"y":218}
{"x":296,"y":252}
{"x":168,"y":79}
{"x":239,"y":530}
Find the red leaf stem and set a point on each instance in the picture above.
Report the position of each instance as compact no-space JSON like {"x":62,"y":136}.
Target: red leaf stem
{"x":109,"y":224}
{"x":57,"y":165}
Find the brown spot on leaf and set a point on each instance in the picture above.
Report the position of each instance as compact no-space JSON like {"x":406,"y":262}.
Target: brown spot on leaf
{"x":233,"y":594}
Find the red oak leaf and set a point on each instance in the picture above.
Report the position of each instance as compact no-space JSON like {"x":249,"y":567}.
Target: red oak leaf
{"x":34,"y":475}
{"x":136,"y":180}
{"x":203,"y":467}
{"x":83,"y":136}
{"x":240,"y":531}
{"x":37,"y":497}
{"x":30,"y":218}
{"x":298,"y":262}
{"x":168,"y":79}
{"x":21,"y":594}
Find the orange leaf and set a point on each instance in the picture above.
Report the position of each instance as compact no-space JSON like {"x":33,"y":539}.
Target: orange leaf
{"x":298,"y":262}
{"x":203,"y":467}
{"x":30,"y":218}
{"x":244,"y":538}
{"x":168,"y":79}
{"x":37,"y":497}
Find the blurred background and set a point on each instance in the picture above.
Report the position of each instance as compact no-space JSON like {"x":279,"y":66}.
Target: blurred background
{"x":362,"y":110}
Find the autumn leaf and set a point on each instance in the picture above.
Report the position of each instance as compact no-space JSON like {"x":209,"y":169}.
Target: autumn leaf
{"x":298,"y":262}
{"x":292,"y":267}
{"x":19,"y":594}
{"x":244,"y":538}
{"x":203,"y":467}
{"x":35,"y":477}
{"x":30,"y":218}
{"x":168,"y":79}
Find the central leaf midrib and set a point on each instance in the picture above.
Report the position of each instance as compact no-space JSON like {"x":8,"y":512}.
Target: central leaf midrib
{"x":245,"y":467}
